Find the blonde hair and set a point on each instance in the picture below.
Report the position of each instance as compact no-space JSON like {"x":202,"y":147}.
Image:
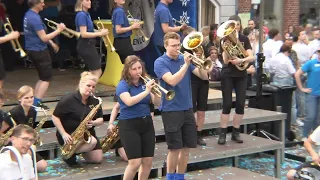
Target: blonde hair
{"x":170,"y":35}
{"x":86,"y":76}
{"x":78,"y":6}
{"x":129,"y":61}
{"x":23,"y":91}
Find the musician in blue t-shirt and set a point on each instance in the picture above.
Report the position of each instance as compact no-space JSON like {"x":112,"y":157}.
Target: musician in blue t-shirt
{"x":122,"y":31}
{"x":36,"y":40}
{"x":174,"y":72}
{"x":86,"y":46}
{"x":163,"y":23}
{"x":135,"y":123}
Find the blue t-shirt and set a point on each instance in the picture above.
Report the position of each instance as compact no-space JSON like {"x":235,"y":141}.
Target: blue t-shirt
{"x":183,"y":97}
{"x":119,"y":18}
{"x":84,"y":19}
{"x":138,"y":110}
{"x":31,"y":24}
{"x":161,"y":15}
{"x":312,"y":68}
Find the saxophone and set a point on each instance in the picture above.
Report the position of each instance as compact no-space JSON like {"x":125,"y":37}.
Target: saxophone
{"x":4,"y":139}
{"x":38,"y":141}
{"x":81,"y":134}
{"x":109,"y":140}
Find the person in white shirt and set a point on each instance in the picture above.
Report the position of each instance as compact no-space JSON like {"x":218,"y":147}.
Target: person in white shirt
{"x":315,"y":43}
{"x":22,"y":138}
{"x":282,"y":70}
{"x":314,"y":138}
{"x":303,"y":53}
{"x":271,"y":46}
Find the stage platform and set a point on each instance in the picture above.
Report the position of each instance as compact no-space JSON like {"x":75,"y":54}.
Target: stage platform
{"x":113,"y":166}
{"x":223,"y":173}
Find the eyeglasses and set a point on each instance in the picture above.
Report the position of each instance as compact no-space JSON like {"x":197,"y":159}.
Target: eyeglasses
{"x":26,"y":140}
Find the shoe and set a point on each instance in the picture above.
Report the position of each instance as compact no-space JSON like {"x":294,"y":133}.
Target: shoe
{"x":201,"y":142}
{"x":42,"y":106}
{"x":72,"y":161}
{"x":236,"y":135}
{"x":222,"y":136}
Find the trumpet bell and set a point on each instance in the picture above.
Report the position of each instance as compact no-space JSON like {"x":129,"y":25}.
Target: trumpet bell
{"x":193,"y":40}
{"x":170,"y":95}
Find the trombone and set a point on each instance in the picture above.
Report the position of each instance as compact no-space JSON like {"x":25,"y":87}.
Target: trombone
{"x":198,"y":62}
{"x":105,"y":39}
{"x":139,"y":30}
{"x":157,"y":89}
{"x":67,"y":32}
{"x":14,"y":42}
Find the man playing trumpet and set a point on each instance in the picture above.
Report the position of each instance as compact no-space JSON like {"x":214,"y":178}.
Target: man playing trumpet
{"x":174,"y":72}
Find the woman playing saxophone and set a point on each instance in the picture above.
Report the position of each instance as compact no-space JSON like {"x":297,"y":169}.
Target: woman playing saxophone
{"x":69,"y":113}
{"x":24,"y":113}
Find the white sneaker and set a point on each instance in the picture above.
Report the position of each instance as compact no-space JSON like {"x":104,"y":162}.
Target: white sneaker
{"x":299,"y":122}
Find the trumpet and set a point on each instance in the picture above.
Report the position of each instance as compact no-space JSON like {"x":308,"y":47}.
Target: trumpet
{"x":176,"y":21}
{"x":67,"y":32}
{"x":157,"y":89}
{"x":139,"y":30}
{"x":199,"y":63}
{"x":15,"y":42}
{"x":105,"y":39}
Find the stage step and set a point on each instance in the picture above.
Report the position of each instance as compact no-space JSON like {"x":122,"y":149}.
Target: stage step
{"x":225,"y":173}
{"x":113,"y":166}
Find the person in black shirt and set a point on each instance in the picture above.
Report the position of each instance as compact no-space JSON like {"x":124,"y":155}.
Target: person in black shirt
{"x":71,"y":110}
{"x":234,"y":79}
{"x":24,"y":113}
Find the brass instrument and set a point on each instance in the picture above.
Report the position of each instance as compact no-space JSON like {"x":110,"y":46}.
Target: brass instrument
{"x":81,"y":134}
{"x":67,"y":32}
{"x":4,"y":139}
{"x":157,"y":89}
{"x":231,"y":44}
{"x":307,"y":173}
{"x":38,"y":141}
{"x":15,"y":42}
{"x":105,"y":39}
{"x":138,"y":30}
{"x":176,"y":21}
{"x":193,"y":42}
{"x":109,"y":140}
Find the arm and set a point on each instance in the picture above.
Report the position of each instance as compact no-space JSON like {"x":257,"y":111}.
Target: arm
{"x":308,"y":145}
{"x":57,"y":122}
{"x":121,"y":30}
{"x":97,"y":122}
{"x":250,"y":57}
{"x":297,"y":76}
{"x":114,"y":113}
{"x":9,"y":37}
{"x":132,"y":100}
{"x":166,"y":28}
{"x":46,"y":37}
{"x":155,"y":100}
{"x":4,"y":127}
{"x":201,"y":73}
{"x":174,"y":79}
{"x":85,"y":34}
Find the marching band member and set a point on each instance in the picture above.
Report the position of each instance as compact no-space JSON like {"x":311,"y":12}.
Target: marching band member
{"x":6,"y":38}
{"x":174,"y":72}
{"x":119,"y":150}
{"x":24,"y":113}
{"x":22,"y":138}
{"x":122,"y":31}
{"x":36,"y":41}
{"x":69,"y":113}
{"x":163,"y":23}
{"x":86,"y":43}
{"x":232,"y":78}
{"x":135,"y":123}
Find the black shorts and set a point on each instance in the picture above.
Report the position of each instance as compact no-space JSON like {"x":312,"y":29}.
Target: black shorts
{"x":86,"y":49}
{"x":43,"y":64}
{"x":137,"y":137}
{"x":180,"y":129}
{"x":200,"y":91}
{"x":123,"y":48}
{"x":2,"y":69}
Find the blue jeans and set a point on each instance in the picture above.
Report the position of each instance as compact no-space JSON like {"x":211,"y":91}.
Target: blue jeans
{"x":310,"y":122}
{"x":288,"y":81}
{"x":301,"y":99}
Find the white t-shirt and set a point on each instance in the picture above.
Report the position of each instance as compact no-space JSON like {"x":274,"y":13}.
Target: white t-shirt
{"x":10,"y":170}
{"x":315,"y":136}
{"x":303,"y":52}
{"x":282,"y":66}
